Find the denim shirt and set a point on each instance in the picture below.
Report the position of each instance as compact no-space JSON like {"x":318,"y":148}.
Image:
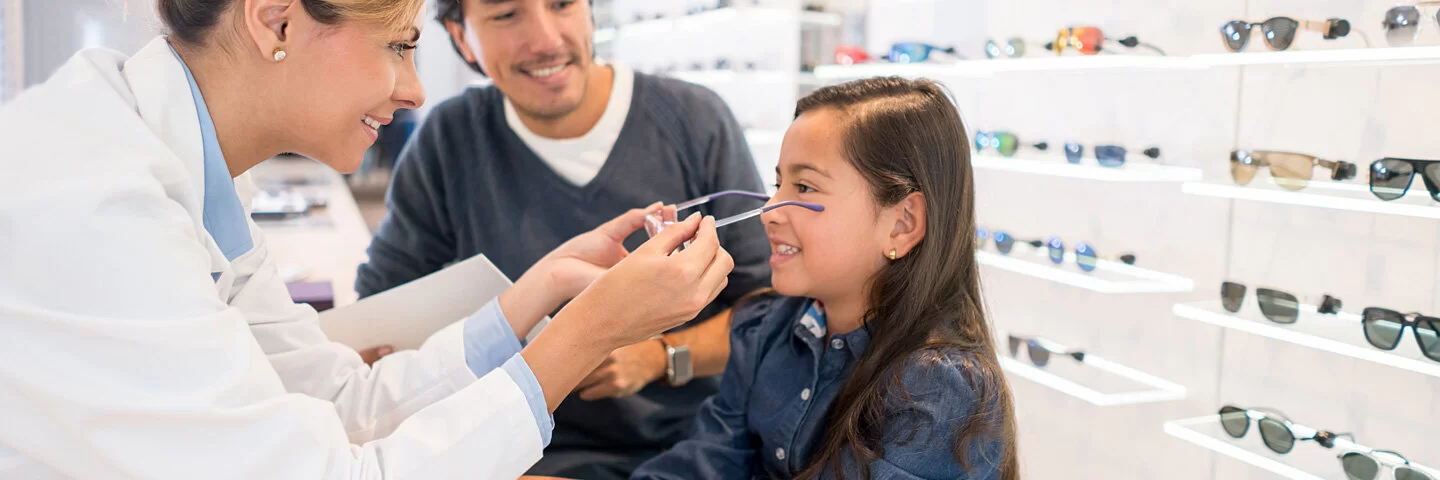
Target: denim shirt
{"x":777,"y":391}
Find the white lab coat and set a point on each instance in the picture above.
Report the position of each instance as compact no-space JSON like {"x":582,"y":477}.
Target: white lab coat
{"x":122,"y":357}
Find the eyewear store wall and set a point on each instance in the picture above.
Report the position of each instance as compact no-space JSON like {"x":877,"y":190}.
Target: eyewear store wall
{"x":1122,"y":371}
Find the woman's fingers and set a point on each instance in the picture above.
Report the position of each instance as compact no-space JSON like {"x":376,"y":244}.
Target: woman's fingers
{"x":672,"y":237}
{"x":627,"y":223}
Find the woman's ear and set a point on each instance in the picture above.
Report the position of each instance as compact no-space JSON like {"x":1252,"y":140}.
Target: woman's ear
{"x":909,"y":228}
{"x":268,"y":23}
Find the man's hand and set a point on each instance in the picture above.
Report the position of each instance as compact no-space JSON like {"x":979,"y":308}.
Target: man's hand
{"x":625,"y":372}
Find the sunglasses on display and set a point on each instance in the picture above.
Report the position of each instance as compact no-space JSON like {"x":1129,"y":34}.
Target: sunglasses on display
{"x":1384,"y":328}
{"x":657,"y":221}
{"x":1039,"y":352}
{"x":1292,"y":171}
{"x":1003,"y":143}
{"x":1275,"y":305}
{"x":1276,"y":431}
{"x":1091,"y":41}
{"x":1360,"y":465}
{"x":1280,"y":32}
{"x":1390,"y":178}
{"x":1112,"y":156}
{"x":1402,"y":23}
{"x":1085,"y":256}
{"x":1012,"y":48}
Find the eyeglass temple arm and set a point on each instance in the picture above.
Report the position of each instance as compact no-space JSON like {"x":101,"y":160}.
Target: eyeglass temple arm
{"x":1341,"y":169}
{"x":742,"y":216}
{"x":706,"y":199}
{"x":1132,"y":42}
{"x":1324,"y":27}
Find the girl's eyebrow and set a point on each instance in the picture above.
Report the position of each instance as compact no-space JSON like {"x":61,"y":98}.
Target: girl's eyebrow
{"x":796,"y":168}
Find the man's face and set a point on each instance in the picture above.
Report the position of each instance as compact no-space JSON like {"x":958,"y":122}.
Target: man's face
{"x":538,"y":52}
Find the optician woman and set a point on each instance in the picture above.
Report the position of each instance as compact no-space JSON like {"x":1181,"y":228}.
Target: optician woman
{"x":144,"y":332}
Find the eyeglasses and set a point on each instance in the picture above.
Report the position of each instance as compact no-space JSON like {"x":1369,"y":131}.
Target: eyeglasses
{"x":1004,"y":143}
{"x":1292,"y":171}
{"x":1085,"y":256}
{"x":1360,"y":465}
{"x":1275,"y":430}
{"x":1112,"y":156}
{"x":916,"y":52}
{"x":1039,"y":352}
{"x":1390,"y":178}
{"x":1384,"y":327}
{"x":1090,"y":41}
{"x":1275,"y":305}
{"x":1280,"y":31}
{"x":660,"y":219}
{"x":1402,"y":24}
{"x":1013,"y":48}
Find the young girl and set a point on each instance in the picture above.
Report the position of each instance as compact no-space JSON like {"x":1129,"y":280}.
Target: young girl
{"x":878,"y":361}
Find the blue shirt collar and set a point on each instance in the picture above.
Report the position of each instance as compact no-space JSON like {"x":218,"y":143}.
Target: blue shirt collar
{"x":223,"y":214}
{"x":813,"y":316}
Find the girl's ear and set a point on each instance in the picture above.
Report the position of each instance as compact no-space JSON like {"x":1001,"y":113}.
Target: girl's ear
{"x":909,"y":215}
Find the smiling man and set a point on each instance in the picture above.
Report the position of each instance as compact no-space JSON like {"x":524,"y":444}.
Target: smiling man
{"x":557,"y":145}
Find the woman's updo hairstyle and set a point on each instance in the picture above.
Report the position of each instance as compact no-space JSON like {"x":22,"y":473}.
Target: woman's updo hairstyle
{"x":191,"y":21}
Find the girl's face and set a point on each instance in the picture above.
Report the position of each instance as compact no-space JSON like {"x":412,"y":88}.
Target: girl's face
{"x":830,"y":254}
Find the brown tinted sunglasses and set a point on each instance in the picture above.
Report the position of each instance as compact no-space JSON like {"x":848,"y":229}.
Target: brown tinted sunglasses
{"x":1292,"y":171}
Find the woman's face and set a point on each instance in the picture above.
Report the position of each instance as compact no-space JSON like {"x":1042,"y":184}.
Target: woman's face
{"x":343,"y":80}
{"x":834,"y":253}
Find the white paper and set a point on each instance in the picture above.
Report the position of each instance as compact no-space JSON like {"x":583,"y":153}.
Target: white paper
{"x":405,"y":316}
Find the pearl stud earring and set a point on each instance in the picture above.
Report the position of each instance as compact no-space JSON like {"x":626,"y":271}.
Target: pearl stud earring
{"x":279,"y":54}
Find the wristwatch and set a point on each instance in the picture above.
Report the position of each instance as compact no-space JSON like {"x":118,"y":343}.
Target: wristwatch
{"x":678,"y":367}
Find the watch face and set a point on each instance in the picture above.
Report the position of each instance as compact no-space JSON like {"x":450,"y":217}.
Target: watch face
{"x":680,"y":370}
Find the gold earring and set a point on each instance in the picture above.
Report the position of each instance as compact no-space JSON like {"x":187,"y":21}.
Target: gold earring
{"x":279,"y":54}
{"x":894,"y":254}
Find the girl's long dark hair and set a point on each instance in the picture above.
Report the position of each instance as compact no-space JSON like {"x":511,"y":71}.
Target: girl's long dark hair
{"x":906,"y":136}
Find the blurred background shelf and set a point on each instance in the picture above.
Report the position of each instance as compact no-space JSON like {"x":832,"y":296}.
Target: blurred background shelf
{"x":1350,"y":197}
{"x":1058,"y":167}
{"x":1151,"y":389}
{"x":1108,"y":277}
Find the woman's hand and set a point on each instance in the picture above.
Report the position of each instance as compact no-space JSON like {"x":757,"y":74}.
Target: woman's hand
{"x":652,"y":291}
{"x":647,"y":293}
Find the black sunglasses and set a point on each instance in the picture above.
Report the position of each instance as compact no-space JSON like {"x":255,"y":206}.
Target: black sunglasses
{"x":1280,"y":31}
{"x":1390,"y":178}
{"x":1385,"y":327}
{"x":1274,"y":428}
{"x":1039,"y":353}
{"x":1275,"y":305}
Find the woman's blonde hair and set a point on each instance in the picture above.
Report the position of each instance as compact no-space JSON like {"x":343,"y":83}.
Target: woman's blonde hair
{"x":191,"y":21}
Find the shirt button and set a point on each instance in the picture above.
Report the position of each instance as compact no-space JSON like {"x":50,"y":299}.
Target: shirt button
{"x":837,"y":344}
{"x":780,"y":454}
{"x":805,"y":395}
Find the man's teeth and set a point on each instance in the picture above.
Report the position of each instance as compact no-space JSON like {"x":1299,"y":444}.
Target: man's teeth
{"x":546,"y":72}
{"x":373,"y":123}
{"x":786,"y":250}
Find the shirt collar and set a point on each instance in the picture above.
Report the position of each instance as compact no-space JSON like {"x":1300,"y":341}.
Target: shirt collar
{"x":855,"y":342}
{"x":223,"y":214}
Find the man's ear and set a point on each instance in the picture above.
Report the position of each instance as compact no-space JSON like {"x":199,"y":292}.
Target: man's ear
{"x":457,"y":38}
{"x":268,"y":23}
{"x":909,"y":227}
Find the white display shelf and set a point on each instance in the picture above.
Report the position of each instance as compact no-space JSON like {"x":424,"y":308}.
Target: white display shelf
{"x":1057,"y":167}
{"x":1157,"y":389}
{"x":706,"y":21}
{"x":720,"y":77}
{"x":1340,"y":334}
{"x":1308,"y":460}
{"x":1108,"y":277}
{"x":1329,"y":195}
{"x":1351,"y":57}
{"x":982,"y":68}
{"x":821,"y":19}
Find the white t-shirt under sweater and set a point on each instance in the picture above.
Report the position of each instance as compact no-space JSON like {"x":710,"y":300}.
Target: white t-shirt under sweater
{"x":579,"y":159}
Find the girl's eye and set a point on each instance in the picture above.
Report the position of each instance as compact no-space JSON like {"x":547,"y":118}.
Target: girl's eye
{"x":803,"y":188}
{"x":561,"y":5}
{"x":504,"y":16}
